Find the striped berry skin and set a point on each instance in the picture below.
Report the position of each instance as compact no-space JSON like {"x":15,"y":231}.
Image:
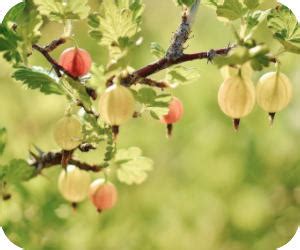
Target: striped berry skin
{"x":116,"y":105}
{"x":68,"y":133}
{"x":73,"y":184}
{"x":274,"y":92}
{"x":103,"y":195}
{"x":175,"y":112}
{"x":76,"y":61}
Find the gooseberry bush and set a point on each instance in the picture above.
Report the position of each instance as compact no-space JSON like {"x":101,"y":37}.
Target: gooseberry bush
{"x":103,"y":98}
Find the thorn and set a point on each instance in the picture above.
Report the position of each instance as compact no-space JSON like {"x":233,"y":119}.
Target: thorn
{"x":272,"y":118}
{"x":115,"y":131}
{"x":38,"y":149}
{"x":33,"y":155}
{"x":236,"y":124}
{"x":169,"y":130}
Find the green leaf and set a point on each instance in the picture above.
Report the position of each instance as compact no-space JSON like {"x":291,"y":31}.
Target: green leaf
{"x":156,"y":104}
{"x":28,"y":23}
{"x":231,"y":9}
{"x":3,"y":134}
{"x":60,"y":11}
{"x":285,"y":28}
{"x":18,"y":31}
{"x":182,"y":75}
{"x":116,"y":26}
{"x":146,"y":95}
{"x":13,"y":14}
{"x":9,"y":42}
{"x":251,"y":4}
{"x":134,"y":167}
{"x":16,"y":171}
{"x":238,"y":55}
{"x":98,"y":78}
{"x":38,"y":78}
{"x":254,"y":19}
{"x":157,"y":50}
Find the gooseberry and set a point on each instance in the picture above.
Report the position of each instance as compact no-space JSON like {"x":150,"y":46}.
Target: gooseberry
{"x":76,"y":61}
{"x":73,"y":184}
{"x":274,"y":92}
{"x":116,"y":105}
{"x":174,"y":115}
{"x":229,"y":71}
{"x":236,"y":98}
{"x":175,"y":112}
{"x":68,"y":133}
{"x":103,"y":194}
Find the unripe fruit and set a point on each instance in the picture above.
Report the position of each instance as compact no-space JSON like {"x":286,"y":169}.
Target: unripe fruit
{"x":116,"y":105}
{"x":274,"y":92}
{"x":175,"y":112}
{"x":73,"y":184}
{"x":236,"y":97}
{"x":229,"y":71}
{"x":67,"y":133}
{"x":103,"y":194}
{"x":76,"y":61}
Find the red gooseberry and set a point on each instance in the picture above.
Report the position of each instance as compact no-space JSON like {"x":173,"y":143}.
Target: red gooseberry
{"x":76,"y":61}
{"x":103,"y":194}
{"x":175,"y":112}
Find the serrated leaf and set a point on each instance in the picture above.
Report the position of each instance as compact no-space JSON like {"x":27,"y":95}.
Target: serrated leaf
{"x":9,"y":42}
{"x":285,"y":28}
{"x":38,"y":78}
{"x":254,"y":19}
{"x":157,"y":50}
{"x":231,"y":9}
{"x":16,"y":171}
{"x":18,"y":31}
{"x":117,"y":26}
{"x":2,"y":140}
{"x":182,"y":75}
{"x":59,"y":11}
{"x":134,"y":167}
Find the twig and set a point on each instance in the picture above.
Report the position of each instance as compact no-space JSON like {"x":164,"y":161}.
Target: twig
{"x":164,"y":63}
{"x":50,"y":159}
{"x":53,"y":62}
{"x":54,"y":44}
{"x":153,"y":83}
{"x":182,"y":34}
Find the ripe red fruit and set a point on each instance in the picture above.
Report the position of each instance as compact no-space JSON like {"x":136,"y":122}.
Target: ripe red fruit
{"x":76,"y":61}
{"x":103,"y":194}
{"x":175,"y":112}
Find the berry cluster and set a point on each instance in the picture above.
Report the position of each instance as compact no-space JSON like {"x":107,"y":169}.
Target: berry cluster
{"x":237,"y":95}
{"x":116,"y":106}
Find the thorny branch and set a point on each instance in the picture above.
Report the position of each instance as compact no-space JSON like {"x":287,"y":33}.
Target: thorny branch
{"x":49,"y":159}
{"x":174,"y":55}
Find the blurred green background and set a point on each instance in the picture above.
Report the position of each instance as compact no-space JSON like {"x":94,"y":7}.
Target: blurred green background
{"x":211,"y":189}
